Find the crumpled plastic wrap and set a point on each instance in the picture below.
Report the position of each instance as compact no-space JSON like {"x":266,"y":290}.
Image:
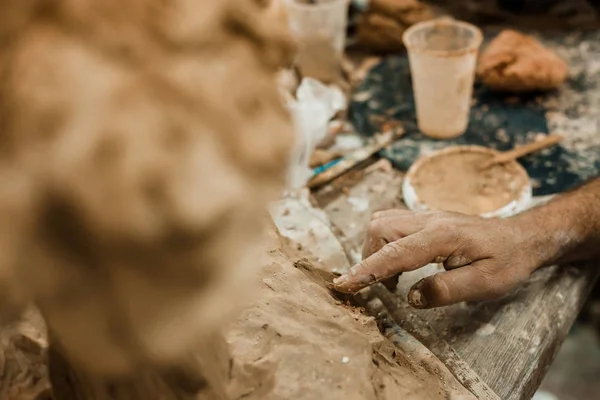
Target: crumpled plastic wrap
{"x":312,"y":109}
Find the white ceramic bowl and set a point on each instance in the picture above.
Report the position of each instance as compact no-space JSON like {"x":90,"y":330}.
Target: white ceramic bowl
{"x":412,"y":201}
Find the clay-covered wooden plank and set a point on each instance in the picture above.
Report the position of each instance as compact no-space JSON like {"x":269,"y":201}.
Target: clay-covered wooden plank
{"x":509,"y":343}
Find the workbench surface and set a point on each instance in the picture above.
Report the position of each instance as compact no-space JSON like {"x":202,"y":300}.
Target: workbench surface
{"x":509,"y":343}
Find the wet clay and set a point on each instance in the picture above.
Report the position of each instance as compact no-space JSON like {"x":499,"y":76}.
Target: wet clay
{"x":455,"y":182}
{"x":297,"y":342}
{"x":515,"y":62}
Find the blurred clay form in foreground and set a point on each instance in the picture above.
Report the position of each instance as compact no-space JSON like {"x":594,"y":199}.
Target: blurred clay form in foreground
{"x":137,"y":159}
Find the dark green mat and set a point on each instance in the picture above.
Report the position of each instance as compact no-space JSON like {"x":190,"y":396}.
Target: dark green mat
{"x":497,"y":121}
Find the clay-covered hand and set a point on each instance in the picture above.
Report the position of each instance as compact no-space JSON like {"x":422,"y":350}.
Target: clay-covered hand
{"x":483,"y":258}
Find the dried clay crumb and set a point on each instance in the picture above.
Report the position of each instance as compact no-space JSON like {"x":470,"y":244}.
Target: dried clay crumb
{"x":514,"y":62}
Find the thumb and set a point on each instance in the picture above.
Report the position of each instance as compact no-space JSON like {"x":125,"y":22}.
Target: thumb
{"x":475,"y":282}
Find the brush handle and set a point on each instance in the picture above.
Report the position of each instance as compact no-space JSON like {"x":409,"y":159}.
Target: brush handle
{"x":356,"y":157}
{"x":521,"y":151}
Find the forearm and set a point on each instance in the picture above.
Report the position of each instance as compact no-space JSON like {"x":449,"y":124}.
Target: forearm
{"x":566,"y":229}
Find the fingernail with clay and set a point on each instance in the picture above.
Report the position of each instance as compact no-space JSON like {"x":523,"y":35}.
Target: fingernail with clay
{"x":340,"y":280}
{"x":348,"y":284}
{"x":416,"y":298}
{"x":343,"y":280}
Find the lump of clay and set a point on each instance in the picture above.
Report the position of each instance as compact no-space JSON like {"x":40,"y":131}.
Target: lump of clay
{"x":382,"y":26}
{"x":514,"y":62}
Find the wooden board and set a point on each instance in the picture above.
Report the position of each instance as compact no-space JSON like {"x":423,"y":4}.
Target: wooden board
{"x":509,"y":343}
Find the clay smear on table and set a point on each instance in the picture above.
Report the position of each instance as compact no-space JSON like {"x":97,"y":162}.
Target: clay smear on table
{"x":455,"y":182}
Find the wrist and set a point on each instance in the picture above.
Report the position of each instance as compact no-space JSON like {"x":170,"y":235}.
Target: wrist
{"x":548,"y":235}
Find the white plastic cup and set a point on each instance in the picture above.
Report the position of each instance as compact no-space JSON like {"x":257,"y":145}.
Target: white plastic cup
{"x":443,"y":57}
{"x":320,"y":30}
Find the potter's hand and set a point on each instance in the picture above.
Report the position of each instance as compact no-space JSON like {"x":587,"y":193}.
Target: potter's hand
{"x":483,"y":258}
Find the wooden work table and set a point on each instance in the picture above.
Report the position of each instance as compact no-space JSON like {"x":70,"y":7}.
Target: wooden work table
{"x":509,"y":343}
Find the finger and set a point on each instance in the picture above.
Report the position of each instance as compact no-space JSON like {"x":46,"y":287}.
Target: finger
{"x":382,"y":231}
{"x":408,"y":254}
{"x":372,"y":245}
{"x":471,"y":283}
{"x":394,"y":212}
{"x":456,"y":261}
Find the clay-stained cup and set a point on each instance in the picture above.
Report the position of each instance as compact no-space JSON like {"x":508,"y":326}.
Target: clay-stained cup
{"x":443,"y":56}
{"x":320,"y":32}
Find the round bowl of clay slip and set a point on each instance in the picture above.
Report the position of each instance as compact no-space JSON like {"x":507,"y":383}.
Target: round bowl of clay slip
{"x":452,"y":180}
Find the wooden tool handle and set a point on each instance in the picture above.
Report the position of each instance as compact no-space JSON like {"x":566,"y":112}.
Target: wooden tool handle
{"x":351,"y":160}
{"x":521,"y":151}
